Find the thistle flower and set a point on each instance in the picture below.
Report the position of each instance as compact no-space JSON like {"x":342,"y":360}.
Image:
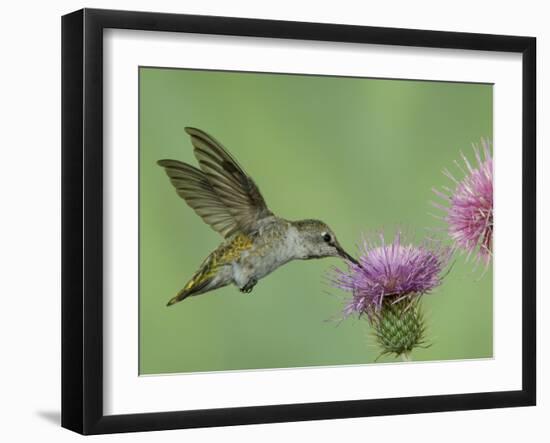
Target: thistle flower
{"x":387,"y":286}
{"x":393,"y":270}
{"x":469,"y":214}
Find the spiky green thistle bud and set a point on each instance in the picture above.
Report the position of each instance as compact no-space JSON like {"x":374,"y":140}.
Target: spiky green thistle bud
{"x":399,"y":326}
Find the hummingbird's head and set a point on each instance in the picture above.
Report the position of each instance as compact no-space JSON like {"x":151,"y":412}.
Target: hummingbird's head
{"x":319,"y":241}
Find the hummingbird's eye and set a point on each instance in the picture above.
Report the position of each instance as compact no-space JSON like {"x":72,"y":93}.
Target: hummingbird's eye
{"x":327,"y":237}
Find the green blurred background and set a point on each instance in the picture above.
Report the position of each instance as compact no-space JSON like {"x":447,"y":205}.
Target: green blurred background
{"x":360,"y":154}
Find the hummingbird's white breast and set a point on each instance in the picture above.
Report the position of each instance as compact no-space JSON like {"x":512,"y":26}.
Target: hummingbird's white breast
{"x":275,"y":245}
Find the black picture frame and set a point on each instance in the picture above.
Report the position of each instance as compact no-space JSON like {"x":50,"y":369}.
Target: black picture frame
{"x":82,"y":220}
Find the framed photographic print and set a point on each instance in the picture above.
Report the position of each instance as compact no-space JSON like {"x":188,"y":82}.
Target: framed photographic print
{"x":269,"y":221}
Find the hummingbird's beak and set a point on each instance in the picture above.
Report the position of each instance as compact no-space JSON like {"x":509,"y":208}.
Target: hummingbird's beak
{"x":346,"y":256}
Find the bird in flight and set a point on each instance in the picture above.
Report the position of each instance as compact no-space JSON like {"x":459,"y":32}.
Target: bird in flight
{"x":256,"y":242}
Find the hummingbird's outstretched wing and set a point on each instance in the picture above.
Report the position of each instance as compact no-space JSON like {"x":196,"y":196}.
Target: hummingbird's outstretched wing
{"x":232,"y":184}
{"x":193,"y":186}
{"x":221,"y":192}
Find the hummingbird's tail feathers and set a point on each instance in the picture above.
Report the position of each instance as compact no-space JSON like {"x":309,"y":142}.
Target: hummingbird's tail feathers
{"x":174,"y":300}
{"x":194,"y":287}
{"x":182,"y":295}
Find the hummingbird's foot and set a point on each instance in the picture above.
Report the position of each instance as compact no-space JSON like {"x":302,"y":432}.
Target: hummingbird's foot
{"x":247,"y":288}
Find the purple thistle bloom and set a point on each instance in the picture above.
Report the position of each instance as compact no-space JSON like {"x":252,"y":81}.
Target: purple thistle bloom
{"x":469,"y":216}
{"x":391,"y":272}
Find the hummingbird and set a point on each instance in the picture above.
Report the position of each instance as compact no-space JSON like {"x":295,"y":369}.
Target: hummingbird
{"x":256,"y":242}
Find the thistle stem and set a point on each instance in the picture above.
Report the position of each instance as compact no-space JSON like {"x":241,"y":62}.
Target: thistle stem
{"x":406,"y":356}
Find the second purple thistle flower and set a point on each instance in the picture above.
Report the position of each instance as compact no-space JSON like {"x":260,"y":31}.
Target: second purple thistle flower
{"x":468,"y":205}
